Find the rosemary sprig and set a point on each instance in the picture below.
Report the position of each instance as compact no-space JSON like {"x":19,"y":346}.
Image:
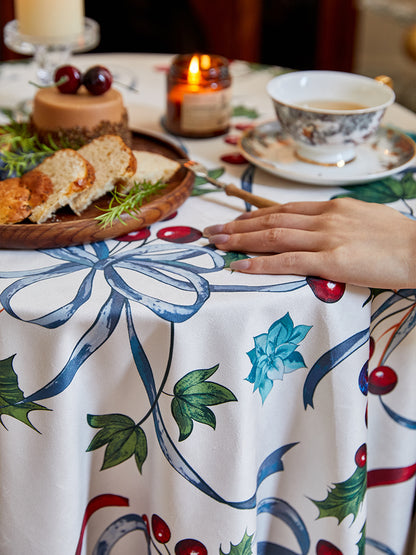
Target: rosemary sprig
{"x":19,"y":149}
{"x":128,"y":203}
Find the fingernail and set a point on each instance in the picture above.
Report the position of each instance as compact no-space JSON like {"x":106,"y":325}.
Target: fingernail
{"x":240,"y":264}
{"x":219,"y":239}
{"x":213,"y":229}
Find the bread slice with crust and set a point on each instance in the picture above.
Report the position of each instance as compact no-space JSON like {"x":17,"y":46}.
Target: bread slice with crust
{"x":69,"y":173}
{"x":152,"y":167}
{"x":112,"y":160}
{"x":40,"y":186}
{"x":14,"y":201}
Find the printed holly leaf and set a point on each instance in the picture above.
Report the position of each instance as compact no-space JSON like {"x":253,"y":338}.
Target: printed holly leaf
{"x":122,"y":437}
{"x":345,"y":498}
{"x":361,"y":541}
{"x":192,"y":396}
{"x":11,"y":396}
{"x":373,"y":294}
{"x":383,"y":191}
{"x":198,"y":188}
{"x":243,"y":548}
{"x":250,"y":113}
{"x":231,"y":256}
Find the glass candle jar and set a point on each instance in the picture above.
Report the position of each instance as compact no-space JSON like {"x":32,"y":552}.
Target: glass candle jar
{"x":198,"y":96}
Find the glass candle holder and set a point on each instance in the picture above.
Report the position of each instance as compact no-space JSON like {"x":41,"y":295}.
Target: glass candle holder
{"x":198,"y":96}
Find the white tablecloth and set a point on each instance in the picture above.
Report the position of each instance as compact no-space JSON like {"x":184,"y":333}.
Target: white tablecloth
{"x":153,"y":401}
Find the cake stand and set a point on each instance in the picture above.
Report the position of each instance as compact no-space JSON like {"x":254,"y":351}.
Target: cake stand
{"x":50,"y":54}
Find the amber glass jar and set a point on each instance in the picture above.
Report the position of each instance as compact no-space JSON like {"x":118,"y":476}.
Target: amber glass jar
{"x":198,"y":96}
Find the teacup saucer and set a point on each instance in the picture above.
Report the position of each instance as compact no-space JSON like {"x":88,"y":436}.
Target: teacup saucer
{"x":387,"y":153}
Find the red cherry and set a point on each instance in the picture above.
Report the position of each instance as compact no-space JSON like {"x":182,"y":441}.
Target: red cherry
{"x":97,"y":80}
{"x":160,"y":529}
{"x":372,"y":346}
{"x":361,"y":455}
{"x":243,"y":126}
{"x":179,"y":234}
{"x":140,"y":235}
{"x":326,"y":291}
{"x":324,"y":547}
{"x":234,"y":158}
{"x":231,"y":139}
{"x":72,"y":80}
{"x":171,"y":216}
{"x":190,"y":547}
{"x":382,"y":380}
{"x":146,"y":521}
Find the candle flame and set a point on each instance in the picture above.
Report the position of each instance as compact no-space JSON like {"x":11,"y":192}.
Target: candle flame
{"x":194,"y":74}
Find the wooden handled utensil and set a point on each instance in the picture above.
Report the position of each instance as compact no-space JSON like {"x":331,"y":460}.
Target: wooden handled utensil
{"x":231,"y":190}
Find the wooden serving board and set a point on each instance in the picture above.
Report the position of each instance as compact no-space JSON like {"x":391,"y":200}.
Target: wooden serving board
{"x":67,"y":229}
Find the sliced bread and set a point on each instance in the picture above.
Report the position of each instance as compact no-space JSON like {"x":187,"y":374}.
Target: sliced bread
{"x":40,"y":186}
{"x":151,"y":167}
{"x":69,"y":173}
{"x":14,"y":201}
{"x":112,"y":159}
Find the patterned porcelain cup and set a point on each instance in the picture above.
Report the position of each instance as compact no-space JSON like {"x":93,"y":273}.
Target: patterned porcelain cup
{"x":328,"y":113}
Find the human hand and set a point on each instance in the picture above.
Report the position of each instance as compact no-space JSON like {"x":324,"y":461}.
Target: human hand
{"x":343,"y":240}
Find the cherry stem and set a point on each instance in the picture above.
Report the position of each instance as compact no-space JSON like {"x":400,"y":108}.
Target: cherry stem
{"x":61,"y":81}
{"x":129,"y":87}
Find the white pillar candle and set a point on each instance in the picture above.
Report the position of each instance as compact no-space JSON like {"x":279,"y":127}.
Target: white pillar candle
{"x":50,"y":20}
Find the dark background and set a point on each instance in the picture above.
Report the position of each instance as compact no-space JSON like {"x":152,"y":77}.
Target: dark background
{"x":300,"y":34}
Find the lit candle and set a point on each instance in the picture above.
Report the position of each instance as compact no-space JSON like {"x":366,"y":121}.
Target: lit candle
{"x":53,"y":21}
{"x":198,"y":96}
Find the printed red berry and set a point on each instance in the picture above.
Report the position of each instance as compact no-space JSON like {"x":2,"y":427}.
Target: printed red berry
{"x":326,"y":291}
{"x":361,"y":455}
{"x":160,"y":529}
{"x":324,"y":547}
{"x":70,"y":77}
{"x":97,"y":80}
{"x":140,"y":235}
{"x":146,"y":521}
{"x":231,"y":139}
{"x":190,"y":547}
{"x":382,"y":380}
{"x":372,"y":346}
{"x":244,"y":126}
{"x":234,"y":158}
{"x":179,"y":234}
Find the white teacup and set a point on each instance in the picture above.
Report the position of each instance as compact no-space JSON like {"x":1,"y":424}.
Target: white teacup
{"x":328,"y":113}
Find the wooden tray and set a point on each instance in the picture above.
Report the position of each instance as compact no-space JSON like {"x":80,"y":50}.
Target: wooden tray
{"x":68,"y":229}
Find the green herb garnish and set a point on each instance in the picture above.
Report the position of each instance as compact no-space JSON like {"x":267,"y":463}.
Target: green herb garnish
{"x":128,"y":203}
{"x":20,"y":148}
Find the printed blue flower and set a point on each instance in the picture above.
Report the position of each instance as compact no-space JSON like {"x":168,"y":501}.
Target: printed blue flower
{"x":275,"y":354}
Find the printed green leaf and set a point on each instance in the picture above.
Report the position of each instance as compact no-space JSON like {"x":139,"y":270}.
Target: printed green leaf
{"x":183,"y":420}
{"x":192,"y":396}
{"x":193,"y":378}
{"x":120,"y":448}
{"x":383,"y":191}
{"x":11,"y":396}
{"x":373,"y":294}
{"x":122,"y":437}
{"x":231,"y":256}
{"x":361,"y":541}
{"x":250,"y":113}
{"x":202,"y":186}
{"x":243,"y":548}
{"x":345,"y":498}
